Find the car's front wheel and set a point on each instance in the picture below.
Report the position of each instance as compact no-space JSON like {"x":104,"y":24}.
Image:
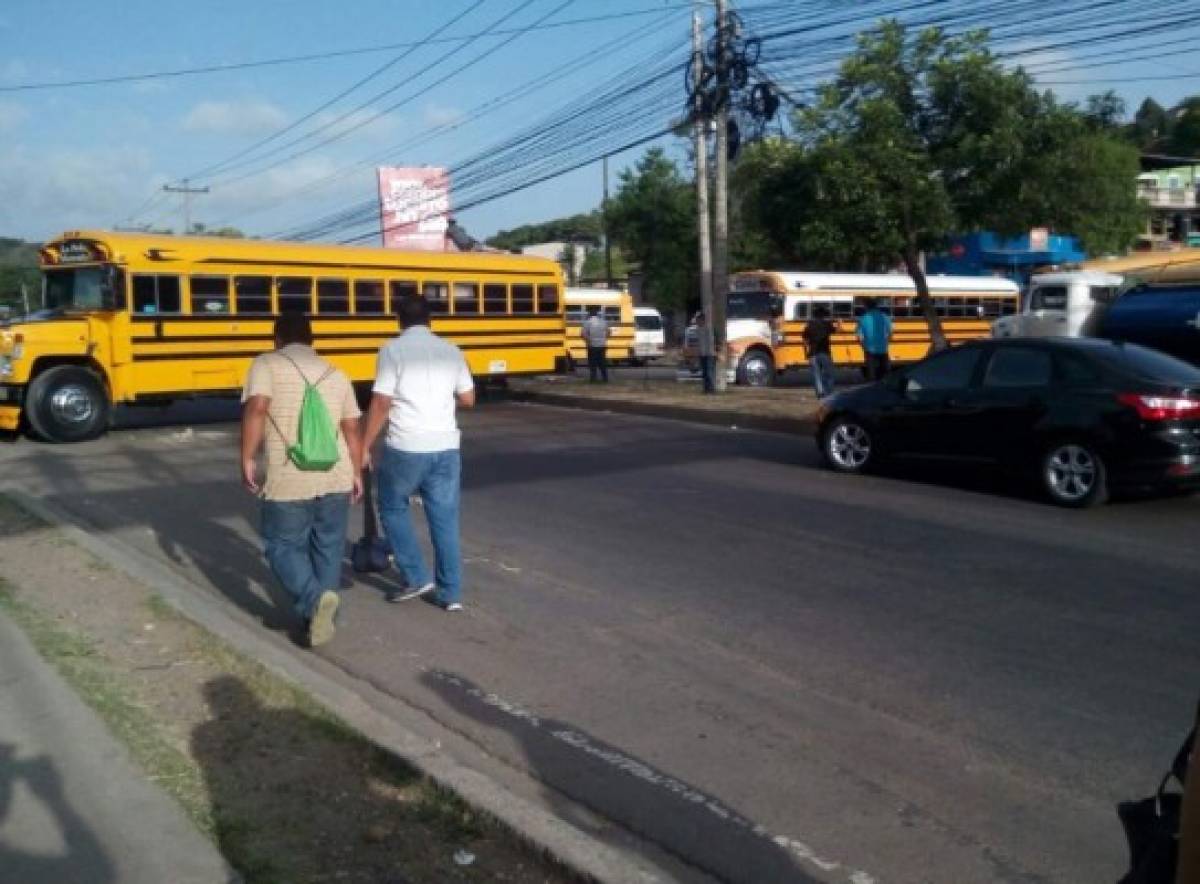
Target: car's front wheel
{"x":847,"y":445}
{"x":1073,"y":474}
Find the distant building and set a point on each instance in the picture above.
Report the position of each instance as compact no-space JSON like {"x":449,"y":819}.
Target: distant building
{"x":1170,"y":187}
{"x":1015,"y":258}
{"x":561,"y":251}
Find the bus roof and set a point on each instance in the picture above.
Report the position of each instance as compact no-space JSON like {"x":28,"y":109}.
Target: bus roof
{"x":122,"y":246}
{"x":593,"y":296}
{"x":785,"y":281}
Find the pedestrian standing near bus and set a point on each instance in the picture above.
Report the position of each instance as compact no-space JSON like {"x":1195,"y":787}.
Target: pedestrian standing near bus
{"x":420,"y":381}
{"x":708,"y":355}
{"x":595,"y":333}
{"x":816,"y":335}
{"x":875,"y":333}
{"x":304,"y":510}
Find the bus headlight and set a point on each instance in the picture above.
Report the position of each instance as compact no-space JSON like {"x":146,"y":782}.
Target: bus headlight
{"x":6,"y":366}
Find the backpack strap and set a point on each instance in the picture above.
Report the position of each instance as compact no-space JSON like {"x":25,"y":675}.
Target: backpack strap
{"x":328,"y":371}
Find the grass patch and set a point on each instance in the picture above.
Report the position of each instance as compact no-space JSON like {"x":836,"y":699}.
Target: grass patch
{"x":90,"y":675}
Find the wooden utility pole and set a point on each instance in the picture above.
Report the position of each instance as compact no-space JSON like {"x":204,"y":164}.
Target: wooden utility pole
{"x":608,"y":276}
{"x":720,"y":259}
{"x":699,"y":126}
{"x":187,"y":192}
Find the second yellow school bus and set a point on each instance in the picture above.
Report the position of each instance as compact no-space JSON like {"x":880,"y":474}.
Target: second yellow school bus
{"x":617,"y":309}
{"x":132,"y":318}
{"x":768,"y":310}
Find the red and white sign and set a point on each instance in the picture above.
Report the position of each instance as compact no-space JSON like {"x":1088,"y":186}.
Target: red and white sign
{"x":414,"y":205}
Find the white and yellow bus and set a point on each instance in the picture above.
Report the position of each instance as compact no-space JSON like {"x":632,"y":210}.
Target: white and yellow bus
{"x":614,"y":306}
{"x":132,"y":318}
{"x":768,"y":311}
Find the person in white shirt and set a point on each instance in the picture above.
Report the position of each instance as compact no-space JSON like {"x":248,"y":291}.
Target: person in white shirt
{"x":420,"y":381}
{"x":595,"y":336}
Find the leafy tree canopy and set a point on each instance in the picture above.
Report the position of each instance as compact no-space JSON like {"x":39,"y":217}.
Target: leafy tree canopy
{"x":587,"y":227}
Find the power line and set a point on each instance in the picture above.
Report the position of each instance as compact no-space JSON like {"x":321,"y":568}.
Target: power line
{"x":320,"y":56}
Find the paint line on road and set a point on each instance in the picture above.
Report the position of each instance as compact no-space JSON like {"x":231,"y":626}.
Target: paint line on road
{"x":640,"y":770}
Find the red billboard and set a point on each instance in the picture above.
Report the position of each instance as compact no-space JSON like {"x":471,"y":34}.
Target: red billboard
{"x":414,"y":205}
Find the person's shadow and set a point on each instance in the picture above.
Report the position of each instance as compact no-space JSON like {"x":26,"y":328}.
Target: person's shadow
{"x":84,"y":862}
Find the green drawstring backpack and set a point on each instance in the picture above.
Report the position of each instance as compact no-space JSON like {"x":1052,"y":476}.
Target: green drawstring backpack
{"x":316,"y":448}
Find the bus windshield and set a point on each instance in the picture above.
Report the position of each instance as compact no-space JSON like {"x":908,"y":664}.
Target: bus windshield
{"x":753,"y":305}
{"x":81,"y":289}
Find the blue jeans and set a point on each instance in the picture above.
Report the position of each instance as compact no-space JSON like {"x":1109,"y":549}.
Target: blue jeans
{"x":306,"y":541}
{"x":436,"y":477}
{"x":822,"y":373}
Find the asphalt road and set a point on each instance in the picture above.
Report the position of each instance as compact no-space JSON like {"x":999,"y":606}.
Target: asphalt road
{"x":775,"y":672}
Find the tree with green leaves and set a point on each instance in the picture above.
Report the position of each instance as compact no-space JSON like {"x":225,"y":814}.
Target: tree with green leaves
{"x":652,"y":218}
{"x":923,"y":135}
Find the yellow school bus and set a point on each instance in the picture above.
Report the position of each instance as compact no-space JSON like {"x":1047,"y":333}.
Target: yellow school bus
{"x":614,"y":306}
{"x":768,"y":311}
{"x":133,"y":318}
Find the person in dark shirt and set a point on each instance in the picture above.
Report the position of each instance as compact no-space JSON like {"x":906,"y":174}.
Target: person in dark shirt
{"x":816,"y":336}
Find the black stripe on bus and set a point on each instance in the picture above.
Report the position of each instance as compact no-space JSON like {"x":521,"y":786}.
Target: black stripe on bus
{"x":430,"y":273}
{"x":341,"y":317}
{"x":357,"y":351}
{"x":168,"y":338}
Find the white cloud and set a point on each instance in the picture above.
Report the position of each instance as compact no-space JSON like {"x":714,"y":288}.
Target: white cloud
{"x":440,"y":115}
{"x":365,"y":123}
{"x":12,"y":115}
{"x":245,"y":117}
{"x":51,"y":191}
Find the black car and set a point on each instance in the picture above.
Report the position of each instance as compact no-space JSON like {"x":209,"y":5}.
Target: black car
{"x":1079,"y":414}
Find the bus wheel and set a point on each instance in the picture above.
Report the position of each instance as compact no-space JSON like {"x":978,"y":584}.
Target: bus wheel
{"x":67,"y":404}
{"x":756,"y":369}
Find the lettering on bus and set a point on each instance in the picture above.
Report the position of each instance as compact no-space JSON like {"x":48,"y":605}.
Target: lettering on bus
{"x":75,"y":252}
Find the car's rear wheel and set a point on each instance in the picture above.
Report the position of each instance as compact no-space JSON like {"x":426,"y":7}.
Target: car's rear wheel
{"x":847,"y":445}
{"x":1073,"y":474}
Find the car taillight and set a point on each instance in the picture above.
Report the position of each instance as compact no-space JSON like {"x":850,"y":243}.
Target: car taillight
{"x":1162,"y":408}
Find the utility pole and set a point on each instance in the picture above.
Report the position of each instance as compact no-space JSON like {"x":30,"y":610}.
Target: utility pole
{"x":187,"y":200}
{"x":25,"y":298}
{"x":608,"y":276}
{"x":699,"y":132}
{"x":721,"y":198}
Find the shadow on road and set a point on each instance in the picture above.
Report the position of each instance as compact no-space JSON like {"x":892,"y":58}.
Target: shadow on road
{"x":84,"y":860}
{"x":678,"y":817}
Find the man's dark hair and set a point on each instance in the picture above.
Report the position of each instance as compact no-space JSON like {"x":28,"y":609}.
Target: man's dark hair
{"x":821,"y":312}
{"x":593,"y":311}
{"x":293,"y":328}
{"x":870,"y":303}
{"x":413,"y":310}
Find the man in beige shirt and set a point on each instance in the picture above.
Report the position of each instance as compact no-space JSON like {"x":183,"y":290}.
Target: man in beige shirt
{"x":304,"y":512}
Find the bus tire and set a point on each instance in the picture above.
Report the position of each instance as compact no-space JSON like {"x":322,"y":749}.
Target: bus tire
{"x":756,"y":369}
{"x":67,"y":403}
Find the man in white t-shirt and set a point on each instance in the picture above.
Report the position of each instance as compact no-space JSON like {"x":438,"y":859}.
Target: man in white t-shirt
{"x":420,"y":381}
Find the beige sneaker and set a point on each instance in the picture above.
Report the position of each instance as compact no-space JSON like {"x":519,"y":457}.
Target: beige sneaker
{"x":320,"y":628}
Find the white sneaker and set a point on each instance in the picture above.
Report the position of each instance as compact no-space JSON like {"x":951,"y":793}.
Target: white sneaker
{"x":413,"y":593}
{"x":454,"y":607}
{"x":321,"y":628}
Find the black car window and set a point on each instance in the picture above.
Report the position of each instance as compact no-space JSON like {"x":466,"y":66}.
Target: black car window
{"x":949,"y":371}
{"x":1075,"y":370}
{"x":1151,"y":364}
{"x":1048,"y":297}
{"x":1018,"y":367}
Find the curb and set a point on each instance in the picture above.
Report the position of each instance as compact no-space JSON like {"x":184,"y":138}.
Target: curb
{"x":795,"y":425}
{"x":583,"y":855}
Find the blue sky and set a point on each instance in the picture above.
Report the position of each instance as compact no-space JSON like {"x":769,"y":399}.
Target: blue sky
{"x":96,"y":156}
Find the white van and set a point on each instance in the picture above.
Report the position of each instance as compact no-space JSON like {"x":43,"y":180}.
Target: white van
{"x":1068,"y":304}
{"x":649,"y":337}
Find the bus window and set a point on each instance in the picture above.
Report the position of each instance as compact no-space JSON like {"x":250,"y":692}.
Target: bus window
{"x":295,"y":294}
{"x":860,"y":306}
{"x":576,"y":313}
{"x":547,"y":299}
{"x":749,"y":305}
{"x":155,"y":294}
{"x":333,"y":296}
{"x":841,"y":309}
{"x":253,"y":294}
{"x":403,"y":287}
{"x":612,"y":315}
{"x":522,"y":298}
{"x":210,"y":294}
{"x":800,"y":311}
{"x":495,"y":298}
{"x":436,"y":293}
{"x":368,"y":296}
{"x":466,"y":298}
